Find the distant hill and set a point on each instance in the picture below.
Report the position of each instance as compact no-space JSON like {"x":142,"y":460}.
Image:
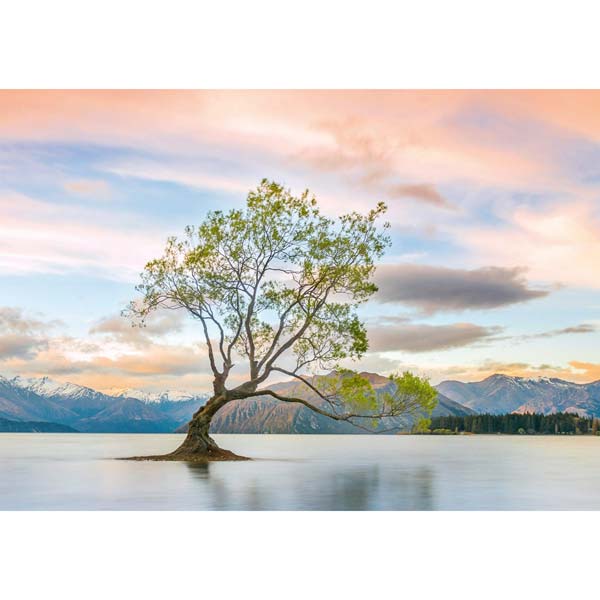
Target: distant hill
{"x":500,"y":394}
{"x":87,"y":410}
{"x":7,"y":426}
{"x":264,"y":414}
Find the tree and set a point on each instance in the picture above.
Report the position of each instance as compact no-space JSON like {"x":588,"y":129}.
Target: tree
{"x":422,"y":425}
{"x":275,"y":288}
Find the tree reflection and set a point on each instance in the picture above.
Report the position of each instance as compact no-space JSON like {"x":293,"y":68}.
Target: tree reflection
{"x":298,"y":485}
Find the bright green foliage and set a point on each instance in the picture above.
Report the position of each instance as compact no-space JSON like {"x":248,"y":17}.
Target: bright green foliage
{"x":274,"y":281}
{"x":441,"y":432}
{"x":413,"y":395}
{"x":353,"y":394}
{"x":422,"y":426}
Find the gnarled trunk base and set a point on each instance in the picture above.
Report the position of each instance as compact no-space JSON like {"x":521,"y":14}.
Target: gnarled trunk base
{"x":198,"y":446}
{"x":214,"y":455}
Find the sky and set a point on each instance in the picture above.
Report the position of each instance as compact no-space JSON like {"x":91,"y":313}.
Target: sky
{"x":494,"y":205}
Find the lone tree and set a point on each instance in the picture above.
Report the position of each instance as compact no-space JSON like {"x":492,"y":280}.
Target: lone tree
{"x":275,"y":287}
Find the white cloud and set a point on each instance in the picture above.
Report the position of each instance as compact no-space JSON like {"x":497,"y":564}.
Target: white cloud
{"x":39,"y":237}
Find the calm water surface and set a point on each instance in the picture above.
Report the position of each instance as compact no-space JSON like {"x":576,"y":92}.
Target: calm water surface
{"x":297,"y":472}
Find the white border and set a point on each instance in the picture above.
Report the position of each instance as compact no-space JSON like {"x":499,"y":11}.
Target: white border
{"x":314,"y":43}
{"x":324,"y":44}
{"x":297,"y":555}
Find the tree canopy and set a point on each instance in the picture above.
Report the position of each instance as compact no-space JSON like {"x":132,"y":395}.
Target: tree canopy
{"x":276,"y":286}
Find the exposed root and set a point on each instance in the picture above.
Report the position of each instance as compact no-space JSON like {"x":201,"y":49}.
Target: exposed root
{"x":213,"y":455}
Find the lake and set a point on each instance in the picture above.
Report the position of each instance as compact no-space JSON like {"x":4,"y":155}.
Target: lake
{"x":302,"y":472}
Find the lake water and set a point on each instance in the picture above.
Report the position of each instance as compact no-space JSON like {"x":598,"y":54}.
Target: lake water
{"x":302,"y":472}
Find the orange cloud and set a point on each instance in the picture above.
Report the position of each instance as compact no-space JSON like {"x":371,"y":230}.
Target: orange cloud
{"x":121,"y":330}
{"x":95,"y":188}
{"x":407,"y":137}
{"x":588,"y":371}
{"x":107,"y":366}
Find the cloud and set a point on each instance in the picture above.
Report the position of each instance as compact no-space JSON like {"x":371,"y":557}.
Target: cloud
{"x":575,"y":371}
{"x":434,"y":289}
{"x":583,"y":328}
{"x":574,"y":329}
{"x":154,"y":367}
{"x":350,"y":145}
{"x":35,"y":237}
{"x":374,"y":362}
{"x":385,"y":136}
{"x":561,"y":241}
{"x":110,"y":365}
{"x":156,"y":360}
{"x":424,"y":192}
{"x":14,"y":319}
{"x":120,"y":356}
{"x":158,"y":324}
{"x":394,"y":335}
{"x":188,"y":175}
{"x":367,"y":160}
{"x":21,"y":346}
{"x":586,"y":370}
{"x":21,"y":336}
{"x":94,"y":188}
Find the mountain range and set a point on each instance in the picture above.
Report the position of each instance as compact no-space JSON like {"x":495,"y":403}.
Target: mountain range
{"x":87,"y":410}
{"x":264,"y":414}
{"x":500,"y":394}
{"x":135,"y":411}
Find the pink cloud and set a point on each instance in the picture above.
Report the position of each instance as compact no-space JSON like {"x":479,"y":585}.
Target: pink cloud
{"x":404,"y":138}
{"x":36,"y":237}
{"x":561,"y":243}
{"x":350,"y":147}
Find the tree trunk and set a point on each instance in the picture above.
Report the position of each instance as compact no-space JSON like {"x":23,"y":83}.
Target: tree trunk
{"x":198,"y":446}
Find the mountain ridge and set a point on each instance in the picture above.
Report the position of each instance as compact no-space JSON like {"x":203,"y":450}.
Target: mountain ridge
{"x":88,"y":410}
{"x":499,"y":393}
{"x":85,"y":409}
{"x":264,"y":414}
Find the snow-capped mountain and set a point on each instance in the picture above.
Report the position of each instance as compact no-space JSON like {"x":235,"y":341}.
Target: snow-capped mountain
{"x":499,"y":394}
{"x":166,"y":396}
{"x":128,"y":410}
{"x":46,"y":387}
{"x":85,"y":409}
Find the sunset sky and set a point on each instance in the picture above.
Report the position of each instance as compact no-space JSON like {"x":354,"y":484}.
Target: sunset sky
{"x":494,"y":202}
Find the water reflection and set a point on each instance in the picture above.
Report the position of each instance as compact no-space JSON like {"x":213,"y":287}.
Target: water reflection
{"x":293,"y":485}
{"x":198,"y":470}
{"x":78,"y":472}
